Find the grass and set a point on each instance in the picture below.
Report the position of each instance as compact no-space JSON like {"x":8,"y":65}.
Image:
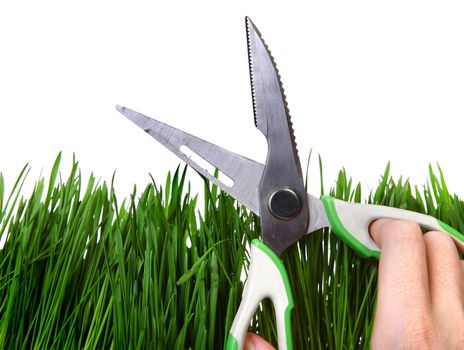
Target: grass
{"x":79,"y":269}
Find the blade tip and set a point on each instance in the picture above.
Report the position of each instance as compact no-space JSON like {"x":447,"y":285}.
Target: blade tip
{"x":120,"y":109}
{"x":248,"y":24}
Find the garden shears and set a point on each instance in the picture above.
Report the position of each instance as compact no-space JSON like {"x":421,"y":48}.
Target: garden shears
{"x":276,"y":192}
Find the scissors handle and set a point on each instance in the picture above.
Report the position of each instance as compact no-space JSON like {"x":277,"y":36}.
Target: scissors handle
{"x":267,"y":278}
{"x":350,"y":222}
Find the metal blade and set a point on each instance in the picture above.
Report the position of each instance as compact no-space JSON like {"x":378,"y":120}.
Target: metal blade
{"x":245,"y":173}
{"x":283,"y":202}
{"x":269,"y":101}
{"x":317,"y":214}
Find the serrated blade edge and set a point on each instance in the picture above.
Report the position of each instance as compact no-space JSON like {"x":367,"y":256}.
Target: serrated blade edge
{"x":257,"y":50}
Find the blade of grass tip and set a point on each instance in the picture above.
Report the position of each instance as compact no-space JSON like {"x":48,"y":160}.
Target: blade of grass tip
{"x":434,"y":184}
{"x":175,"y":194}
{"x":51,"y":181}
{"x":18,"y":184}
{"x":380,"y":192}
{"x":357,"y":193}
{"x":444,"y":189}
{"x":167,"y":189}
{"x":113,"y":179}
{"x":182,"y":177}
{"x":341,"y":180}
{"x":307,"y":170}
{"x":153,"y":182}
{"x":321,"y":178}
{"x":14,"y":195}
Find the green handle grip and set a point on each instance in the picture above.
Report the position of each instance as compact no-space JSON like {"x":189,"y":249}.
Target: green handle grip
{"x":350,"y":222}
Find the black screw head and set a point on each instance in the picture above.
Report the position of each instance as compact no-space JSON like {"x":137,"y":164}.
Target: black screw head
{"x":284,"y":204}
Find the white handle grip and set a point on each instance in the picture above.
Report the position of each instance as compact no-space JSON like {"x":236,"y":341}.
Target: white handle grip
{"x":267,"y":278}
{"x":350,"y":221}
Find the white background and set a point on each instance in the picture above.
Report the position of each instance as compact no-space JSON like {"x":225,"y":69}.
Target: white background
{"x":366,"y":82}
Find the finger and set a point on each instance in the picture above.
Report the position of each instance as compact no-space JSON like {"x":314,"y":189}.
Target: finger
{"x":255,"y":342}
{"x":445,"y":272}
{"x":403,"y":287}
{"x":403,"y":277}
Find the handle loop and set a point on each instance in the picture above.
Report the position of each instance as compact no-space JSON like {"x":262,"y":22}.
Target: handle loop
{"x":267,"y":278}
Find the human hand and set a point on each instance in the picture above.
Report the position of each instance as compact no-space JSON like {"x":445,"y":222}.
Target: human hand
{"x":420,"y":299}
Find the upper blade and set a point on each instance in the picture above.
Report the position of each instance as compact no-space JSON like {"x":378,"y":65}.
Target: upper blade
{"x":270,"y":107}
{"x":283,"y":202}
{"x":245,"y":173}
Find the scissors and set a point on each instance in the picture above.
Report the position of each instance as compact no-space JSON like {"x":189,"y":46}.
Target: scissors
{"x":275,"y":191}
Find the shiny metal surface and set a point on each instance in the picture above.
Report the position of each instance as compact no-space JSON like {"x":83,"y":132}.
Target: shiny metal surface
{"x":245,"y":173}
{"x":317,"y":214}
{"x":282,"y":169}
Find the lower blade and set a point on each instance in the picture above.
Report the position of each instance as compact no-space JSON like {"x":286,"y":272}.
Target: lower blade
{"x":318,"y":217}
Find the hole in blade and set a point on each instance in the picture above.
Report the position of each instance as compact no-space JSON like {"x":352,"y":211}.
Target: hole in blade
{"x":206,"y":166}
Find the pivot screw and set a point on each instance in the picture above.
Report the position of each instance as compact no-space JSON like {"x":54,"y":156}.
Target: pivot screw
{"x":284,"y":204}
